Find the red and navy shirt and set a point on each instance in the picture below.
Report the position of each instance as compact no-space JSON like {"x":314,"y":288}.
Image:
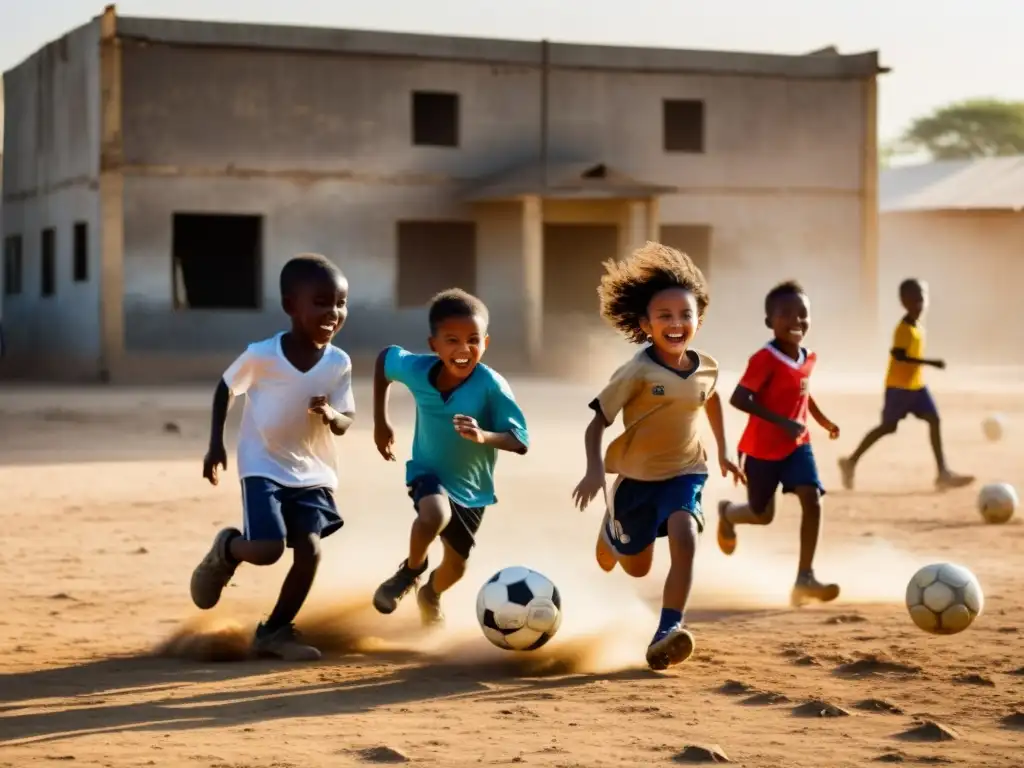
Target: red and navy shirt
{"x":782,"y":385}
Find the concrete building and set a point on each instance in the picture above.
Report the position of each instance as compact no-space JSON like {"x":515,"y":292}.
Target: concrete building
{"x":958,"y":224}
{"x":160,"y":172}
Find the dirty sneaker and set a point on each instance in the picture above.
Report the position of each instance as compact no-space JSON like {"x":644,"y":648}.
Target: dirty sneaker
{"x":947,"y":480}
{"x":283,"y":643}
{"x":809,"y":590}
{"x":214,"y":571}
{"x":390,"y":593}
{"x":726,"y":530}
{"x":603,"y":551}
{"x":846,"y":472}
{"x":670,"y":647}
{"x":429,"y":602}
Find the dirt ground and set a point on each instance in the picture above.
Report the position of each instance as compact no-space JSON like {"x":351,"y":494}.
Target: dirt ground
{"x":105,"y":662}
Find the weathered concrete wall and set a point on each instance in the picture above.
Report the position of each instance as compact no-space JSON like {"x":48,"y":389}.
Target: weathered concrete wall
{"x":51,"y":149}
{"x":321,"y":146}
{"x":972,"y":263}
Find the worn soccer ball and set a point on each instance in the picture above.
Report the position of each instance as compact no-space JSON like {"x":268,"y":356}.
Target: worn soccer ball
{"x":992,"y":426}
{"x":944,"y":598}
{"x":519,"y":609}
{"x":997,"y":502}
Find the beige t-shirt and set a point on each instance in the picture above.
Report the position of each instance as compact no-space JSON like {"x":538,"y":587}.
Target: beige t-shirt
{"x":659,"y":409}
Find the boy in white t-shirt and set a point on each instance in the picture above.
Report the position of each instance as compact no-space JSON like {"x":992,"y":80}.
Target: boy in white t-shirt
{"x":298,"y":389}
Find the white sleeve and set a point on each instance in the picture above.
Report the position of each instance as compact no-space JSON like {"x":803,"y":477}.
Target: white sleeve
{"x":239,"y":375}
{"x":341,"y":397}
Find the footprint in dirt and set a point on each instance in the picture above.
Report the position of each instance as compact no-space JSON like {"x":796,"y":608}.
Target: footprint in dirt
{"x":1013,"y":721}
{"x":873,"y":665}
{"x":878,"y":705}
{"x":930,"y":731}
{"x":765,"y":698}
{"x":974,"y":679}
{"x":735,"y":688}
{"x":819,"y":708}
{"x":381,"y":754}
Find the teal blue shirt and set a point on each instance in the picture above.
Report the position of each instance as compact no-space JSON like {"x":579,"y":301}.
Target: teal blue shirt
{"x":465,"y":468}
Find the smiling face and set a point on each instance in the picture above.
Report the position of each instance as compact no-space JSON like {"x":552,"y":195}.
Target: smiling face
{"x":318,"y":307}
{"x":460,"y":342}
{"x":790,"y":318}
{"x":672,"y":320}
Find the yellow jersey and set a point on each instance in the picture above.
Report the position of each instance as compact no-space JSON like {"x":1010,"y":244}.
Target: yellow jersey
{"x":902,"y":375}
{"x":659,"y":407}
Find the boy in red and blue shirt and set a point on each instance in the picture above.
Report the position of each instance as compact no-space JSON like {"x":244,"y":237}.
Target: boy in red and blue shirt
{"x":776,"y":447}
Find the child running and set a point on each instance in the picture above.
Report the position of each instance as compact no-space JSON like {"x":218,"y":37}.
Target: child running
{"x":657,"y":297}
{"x":465,"y":414}
{"x":905,"y":390}
{"x":298,"y":391}
{"x":775,"y":447}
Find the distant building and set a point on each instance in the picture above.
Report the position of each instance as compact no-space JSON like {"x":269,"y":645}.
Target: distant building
{"x":160,"y":172}
{"x":959,"y":225}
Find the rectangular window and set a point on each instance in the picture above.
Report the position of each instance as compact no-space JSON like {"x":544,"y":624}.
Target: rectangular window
{"x":435,"y":119}
{"x":692,"y":239}
{"x":683,"y":125}
{"x":434,"y":256}
{"x":217,"y":261}
{"x":48,"y":263}
{"x":81,"y":252}
{"x":13,"y":267}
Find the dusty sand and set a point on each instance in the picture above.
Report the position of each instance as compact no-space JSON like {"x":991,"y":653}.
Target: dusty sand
{"x":105,"y":514}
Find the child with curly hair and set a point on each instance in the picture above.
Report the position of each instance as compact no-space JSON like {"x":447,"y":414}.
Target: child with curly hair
{"x":657,"y":298}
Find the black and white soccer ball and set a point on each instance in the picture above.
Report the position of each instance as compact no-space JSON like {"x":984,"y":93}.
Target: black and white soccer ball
{"x":944,"y":598}
{"x":519,"y":609}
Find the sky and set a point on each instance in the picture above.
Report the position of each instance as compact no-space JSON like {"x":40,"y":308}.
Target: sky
{"x":939,"y":50}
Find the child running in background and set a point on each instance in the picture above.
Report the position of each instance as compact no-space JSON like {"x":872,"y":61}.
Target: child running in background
{"x":465,"y":414}
{"x":298,"y":389}
{"x":657,"y":298}
{"x":905,"y":390}
{"x":775,"y":447}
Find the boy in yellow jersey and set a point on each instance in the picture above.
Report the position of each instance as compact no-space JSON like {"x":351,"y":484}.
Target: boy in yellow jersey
{"x":905,"y":391}
{"x":657,"y":299}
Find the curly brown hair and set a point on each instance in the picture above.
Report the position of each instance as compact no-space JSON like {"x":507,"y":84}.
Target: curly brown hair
{"x":628,"y":286}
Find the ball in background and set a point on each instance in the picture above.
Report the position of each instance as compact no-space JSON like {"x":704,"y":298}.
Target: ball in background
{"x":519,"y":609}
{"x":992,"y":427}
{"x":944,"y":598}
{"x":997,"y":502}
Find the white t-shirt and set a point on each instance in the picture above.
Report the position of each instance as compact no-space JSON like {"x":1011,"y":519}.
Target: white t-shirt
{"x":279,"y":439}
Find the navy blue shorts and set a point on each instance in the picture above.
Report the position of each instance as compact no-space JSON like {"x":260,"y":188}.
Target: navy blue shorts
{"x":764,"y":476}
{"x":900,"y":403}
{"x":275,"y":512}
{"x":640,"y":509}
{"x":460,"y":533}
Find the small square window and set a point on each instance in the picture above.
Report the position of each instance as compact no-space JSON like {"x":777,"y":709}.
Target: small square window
{"x":683,"y":125}
{"x":435,"y":119}
{"x":13,"y":267}
{"x":81,"y":253}
{"x":48,"y":263}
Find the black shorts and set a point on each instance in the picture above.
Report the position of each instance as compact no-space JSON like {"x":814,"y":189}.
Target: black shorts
{"x":460,"y":533}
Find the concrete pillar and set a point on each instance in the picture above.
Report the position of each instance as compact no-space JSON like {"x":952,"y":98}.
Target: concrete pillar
{"x":111,"y":200}
{"x":634,"y":227}
{"x":533,"y":277}
{"x":869,"y":209}
{"x":654,"y":219}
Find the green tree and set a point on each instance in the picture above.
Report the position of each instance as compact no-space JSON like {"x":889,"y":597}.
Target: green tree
{"x":966,"y":129}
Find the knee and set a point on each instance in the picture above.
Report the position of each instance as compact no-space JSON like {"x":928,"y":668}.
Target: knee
{"x":683,"y":532}
{"x":307,"y":549}
{"x":765,"y":512}
{"x":431,"y":512}
{"x":810,"y":502}
{"x":266,"y":552}
{"x":456,"y":566}
{"x":637,"y":568}
{"x":888,"y":427}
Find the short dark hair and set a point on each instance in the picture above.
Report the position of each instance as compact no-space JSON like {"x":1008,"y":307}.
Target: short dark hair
{"x":782,"y":290}
{"x":628,"y":286}
{"x":910,"y":284}
{"x":455,"y":302}
{"x":305,"y":268}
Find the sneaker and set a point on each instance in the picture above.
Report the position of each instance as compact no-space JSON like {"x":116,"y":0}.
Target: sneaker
{"x":947,"y":480}
{"x":603,"y":551}
{"x":726,"y":530}
{"x":214,"y":572}
{"x":669,"y":648}
{"x":283,"y":643}
{"x":809,"y":590}
{"x":429,"y":603}
{"x":846,"y":470}
{"x":390,"y":593}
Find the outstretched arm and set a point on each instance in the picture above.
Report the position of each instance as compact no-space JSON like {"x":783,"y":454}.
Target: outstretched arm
{"x":900,"y":355}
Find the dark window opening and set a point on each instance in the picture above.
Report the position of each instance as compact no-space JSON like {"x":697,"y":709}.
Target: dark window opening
{"x":80,"y":269}
{"x":13,"y":275}
{"x":692,"y":239}
{"x":683,"y":125}
{"x":434,"y":256}
{"x":435,"y":119}
{"x":48,"y":275}
{"x":217,"y":261}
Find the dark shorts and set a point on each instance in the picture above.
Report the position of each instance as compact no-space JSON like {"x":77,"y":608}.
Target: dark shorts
{"x":460,"y":533}
{"x":764,"y":476}
{"x":274,"y":512}
{"x":640,"y":509}
{"x":900,"y":403}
